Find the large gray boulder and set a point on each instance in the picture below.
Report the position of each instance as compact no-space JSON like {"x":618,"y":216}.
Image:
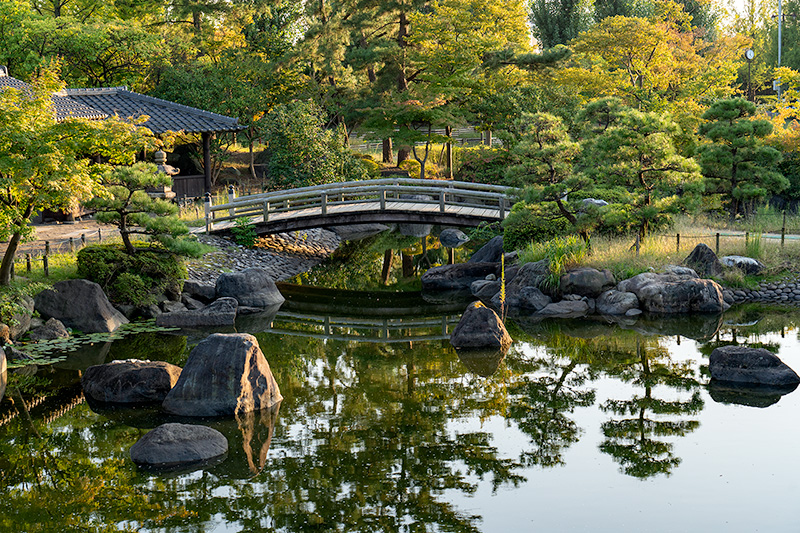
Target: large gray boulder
{"x":671,"y":293}
{"x":205,"y":292}
{"x":566,"y":309}
{"x":748,"y":265}
{"x":252,"y":287}
{"x":173,"y":445}
{"x":21,"y":319}
{"x":587,"y":281}
{"x":750,"y":365}
{"x":457,"y":277}
{"x":524,"y":298}
{"x":130,"y":381}
{"x":50,"y":330}
{"x":225,"y":374}
{"x":79,"y":304}
{"x":614,"y":302}
{"x":219,"y":313}
{"x":529,"y":275}
{"x":480,"y":329}
{"x":489,"y":252}
{"x":703,"y":260}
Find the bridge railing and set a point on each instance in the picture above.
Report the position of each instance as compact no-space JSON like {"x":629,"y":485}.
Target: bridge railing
{"x":381,"y":192}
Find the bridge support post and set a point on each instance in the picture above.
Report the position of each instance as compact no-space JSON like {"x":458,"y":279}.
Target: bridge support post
{"x":266,"y":211}
{"x":324,"y":203}
{"x":441,"y":201}
{"x":382,"y":197}
{"x":207,"y":206}
{"x":502,"y":208}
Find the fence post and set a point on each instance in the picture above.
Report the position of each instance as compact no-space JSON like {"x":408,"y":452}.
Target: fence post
{"x":207,"y":205}
{"x":266,"y":211}
{"x":638,"y":244}
{"x":677,"y":242}
{"x":71,"y":245}
{"x":99,"y":235}
{"x":502,"y":208}
{"x":324,"y":203}
{"x":382,"y":197}
{"x":441,"y":201}
{"x":28,"y":262}
{"x":747,"y":238}
{"x":783,"y":229}
{"x":83,"y":240}
{"x":46,"y":266}
{"x":717,"y":251}
{"x":46,"y":247}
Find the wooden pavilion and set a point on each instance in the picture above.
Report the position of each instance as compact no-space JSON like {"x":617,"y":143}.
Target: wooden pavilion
{"x":164,"y":116}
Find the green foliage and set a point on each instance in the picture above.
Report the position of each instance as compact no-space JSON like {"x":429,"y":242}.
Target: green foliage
{"x":754,"y":246}
{"x":301,"y":152}
{"x":10,"y":296}
{"x":559,"y":21}
{"x":482,"y":164}
{"x":531,"y":223}
{"x":132,"y":278}
{"x":735,"y":162}
{"x":413,"y":167}
{"x":127,"y":205}
{"x":244,"y":232}
{"x":370,"y":165}
{"x":561,"y":254}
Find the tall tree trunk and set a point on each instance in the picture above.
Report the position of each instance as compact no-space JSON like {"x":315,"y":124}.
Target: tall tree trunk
{"x":388,"y":257}
{"x":387,"y":151}
{"x":408,"y":265}
{"x":488,"y":137}
{"x":403,"y":154}
{"x":402,"y":33}
{"x":196,"y":21}
{"x":8,"y":259}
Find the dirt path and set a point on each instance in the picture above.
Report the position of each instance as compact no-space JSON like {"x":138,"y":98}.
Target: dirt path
{"x":58,"y":236}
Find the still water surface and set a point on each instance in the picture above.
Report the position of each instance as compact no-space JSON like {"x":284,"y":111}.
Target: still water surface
{"x":580,"y":427}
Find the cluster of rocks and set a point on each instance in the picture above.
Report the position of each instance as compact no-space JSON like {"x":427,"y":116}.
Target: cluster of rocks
{"x":283,"y":255}
{"x":225,"y":374}
{"x":785,"y":291}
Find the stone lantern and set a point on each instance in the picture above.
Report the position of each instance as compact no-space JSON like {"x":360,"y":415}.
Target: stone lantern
{"x":164,"y":191}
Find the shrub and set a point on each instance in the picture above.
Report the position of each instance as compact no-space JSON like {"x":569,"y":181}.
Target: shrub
{"x":482,"y":165}
{"x":412,"y":166}
{"x":527,"y":223}
{"x":561,"y":253}
{"x":372,"y":168}
{"x":244,"y":232}
{"x":132,"y":279}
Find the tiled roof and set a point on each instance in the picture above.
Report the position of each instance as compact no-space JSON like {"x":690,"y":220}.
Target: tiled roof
{"x":64,"y":107}
{"x":104,"y":102}
{"x":164,"y":115}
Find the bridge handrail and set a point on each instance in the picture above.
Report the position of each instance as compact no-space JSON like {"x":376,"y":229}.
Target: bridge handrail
{"x":394,"y":184}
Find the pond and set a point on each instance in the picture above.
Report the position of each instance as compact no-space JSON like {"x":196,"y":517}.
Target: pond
{"x":582,"y":426}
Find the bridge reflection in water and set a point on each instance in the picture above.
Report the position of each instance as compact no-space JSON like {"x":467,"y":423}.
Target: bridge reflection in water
{"x":364,"y":316}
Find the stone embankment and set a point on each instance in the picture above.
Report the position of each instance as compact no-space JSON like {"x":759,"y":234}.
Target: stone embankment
{"x":784,"y":291}
{"x":283,"y":255}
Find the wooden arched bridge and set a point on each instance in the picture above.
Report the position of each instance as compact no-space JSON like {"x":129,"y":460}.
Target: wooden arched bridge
{"x":391,"y":200}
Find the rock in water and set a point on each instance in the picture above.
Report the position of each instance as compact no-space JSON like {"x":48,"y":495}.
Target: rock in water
{"x":671,"y":293}
{"x":225,"y":374}
{"x":220,"y":313}
{"x":172,"y":445}
{"x":452,"y":238}
{"x":52,"y":329}
{"x":614,"y":302}
{"x":130,"y":381}
{"x":587,"y":281}
{"x":480,"y":328}
{"x":750,"y":365}
{"x":252,"y":288}
{"x":704,"y":261}
{"x":80,"y":304}
{"x":457,"y":277}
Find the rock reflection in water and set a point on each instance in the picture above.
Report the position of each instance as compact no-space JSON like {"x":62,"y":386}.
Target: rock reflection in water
{"x":481,"y":362}
{"x":746,"y":394}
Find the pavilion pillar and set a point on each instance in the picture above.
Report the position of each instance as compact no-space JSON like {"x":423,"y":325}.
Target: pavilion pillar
{"x":207,"y":159}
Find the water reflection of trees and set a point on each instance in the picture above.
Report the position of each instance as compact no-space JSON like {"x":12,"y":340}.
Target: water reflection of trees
{"x":543,"y":400}
{"x":636,"y":438}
